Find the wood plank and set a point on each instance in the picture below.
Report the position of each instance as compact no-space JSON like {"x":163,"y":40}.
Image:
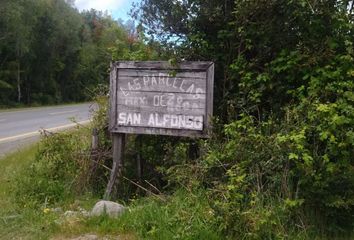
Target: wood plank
{"x":113,"y":97}
{"x":160,"y":99}
{"x":162,"y":73}
{"x":167,"y":110}
{"x":161,"y":120}
{"x":160,"y":131}
{"x":162,"y":65}
{"x":134,"y":96}
{"x":210,"y":97}
{"x":193,"y":106}
{"x":161,"y":85}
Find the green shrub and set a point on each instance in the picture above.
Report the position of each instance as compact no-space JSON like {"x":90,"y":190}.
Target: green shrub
{"x":59,"y":170}
{"x":251,"y":183}
{"x":290,"y":156}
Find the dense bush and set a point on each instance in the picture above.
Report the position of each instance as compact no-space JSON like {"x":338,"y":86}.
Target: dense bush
{"x":281,"y":158}
{"x":59,"y":171}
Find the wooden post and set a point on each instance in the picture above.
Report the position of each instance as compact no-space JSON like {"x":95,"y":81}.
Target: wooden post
{"x":94,"y":144}
{"x":139,"y":166}
{"x":117,"y":167}
{"x":94,"y":153}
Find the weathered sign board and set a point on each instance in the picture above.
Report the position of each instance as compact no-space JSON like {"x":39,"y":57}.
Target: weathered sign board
{"x":158,"y":98}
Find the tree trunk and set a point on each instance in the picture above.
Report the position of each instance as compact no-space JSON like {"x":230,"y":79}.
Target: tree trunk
{"x":18,"y":81}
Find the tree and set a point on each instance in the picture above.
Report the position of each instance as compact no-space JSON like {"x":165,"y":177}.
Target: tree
{"x":51,"y":53}
{"x":242,"y":37}
{"x":283,"y":85}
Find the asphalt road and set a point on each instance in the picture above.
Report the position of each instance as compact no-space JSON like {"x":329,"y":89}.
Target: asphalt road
{"x":18,"y":128}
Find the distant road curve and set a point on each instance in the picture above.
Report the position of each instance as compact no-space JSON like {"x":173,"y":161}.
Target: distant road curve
{"x":20,"y":127}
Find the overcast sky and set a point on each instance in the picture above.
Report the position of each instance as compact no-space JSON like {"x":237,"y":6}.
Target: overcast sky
{"x":118,"y":8}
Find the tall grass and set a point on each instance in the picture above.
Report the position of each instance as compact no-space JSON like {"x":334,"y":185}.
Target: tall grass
{"x":183,"y":215}
{"x":20,"y":221}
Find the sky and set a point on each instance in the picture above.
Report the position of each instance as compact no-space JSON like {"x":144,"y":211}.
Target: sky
{"x":117,"y":8}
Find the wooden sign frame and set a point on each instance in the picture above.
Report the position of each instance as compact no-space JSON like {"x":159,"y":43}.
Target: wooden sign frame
{"x":205,"y":75}
{"x":198,"y":94}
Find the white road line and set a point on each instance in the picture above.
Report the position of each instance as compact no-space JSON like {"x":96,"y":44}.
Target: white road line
{"x":58,"y":113}
{"x":32,"y":134}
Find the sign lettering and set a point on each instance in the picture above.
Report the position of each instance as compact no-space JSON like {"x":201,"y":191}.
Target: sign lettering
{"x":156,"y":98}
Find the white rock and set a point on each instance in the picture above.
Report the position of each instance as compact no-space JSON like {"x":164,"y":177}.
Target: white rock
{"x":112,"y":209}
{"x":70,"y":214}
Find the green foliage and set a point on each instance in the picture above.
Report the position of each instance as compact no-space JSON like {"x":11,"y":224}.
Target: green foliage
{"x":185,"y":215}
{"x":321,"y":144}
{"x":51,"y":53}
{"x":301,"y":158}
{"x":20,"y":221}
{"x":60,"y":169}
{"x":279,"y":164}
{"x":280,"y":161}
{"x":254,"y":199}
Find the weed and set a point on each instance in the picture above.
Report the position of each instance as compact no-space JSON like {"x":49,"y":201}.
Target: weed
{"x":184,"y":215}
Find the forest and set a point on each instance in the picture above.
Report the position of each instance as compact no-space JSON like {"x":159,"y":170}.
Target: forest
{"x":50,"y":53}
{"x":279,"y":162}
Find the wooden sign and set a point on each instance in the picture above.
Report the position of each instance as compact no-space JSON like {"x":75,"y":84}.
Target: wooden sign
{"x":157,"y":98}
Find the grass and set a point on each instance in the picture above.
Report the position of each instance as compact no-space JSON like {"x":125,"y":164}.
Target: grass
{"x":28,"y":222}
{"x":184,"y":215}
{"x":11,"y":165}
{"x":18,"y":222}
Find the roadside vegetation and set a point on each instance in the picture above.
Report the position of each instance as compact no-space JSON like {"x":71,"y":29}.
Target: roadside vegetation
{"x":20,"y":221}
{"x":184,"y":199}
{"x":278,"y":165}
